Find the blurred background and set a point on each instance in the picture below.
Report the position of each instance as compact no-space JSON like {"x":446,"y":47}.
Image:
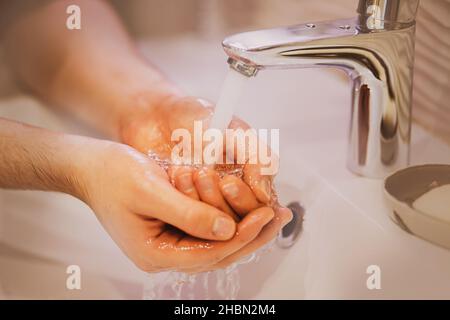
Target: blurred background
{"x":212,"y":20}
{"x":176,"y":35}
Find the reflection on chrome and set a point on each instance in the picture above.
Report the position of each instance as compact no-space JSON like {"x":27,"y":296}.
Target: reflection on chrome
{"x":376,"y":49}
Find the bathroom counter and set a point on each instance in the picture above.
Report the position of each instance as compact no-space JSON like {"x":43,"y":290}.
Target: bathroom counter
{"x":346,"y":227}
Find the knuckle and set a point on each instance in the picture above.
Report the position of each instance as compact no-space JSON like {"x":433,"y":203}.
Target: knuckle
{"x":193,"y":220}
{"x":242,"y":239}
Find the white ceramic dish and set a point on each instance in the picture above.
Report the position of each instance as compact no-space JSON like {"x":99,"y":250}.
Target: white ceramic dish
{"x":404,"y":187}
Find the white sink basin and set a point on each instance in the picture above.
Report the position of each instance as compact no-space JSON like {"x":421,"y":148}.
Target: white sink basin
{"x":341,"y":238}
{"x":346,"y":227}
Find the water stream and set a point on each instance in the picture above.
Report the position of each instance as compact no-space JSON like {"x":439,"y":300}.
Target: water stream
{"x":233,"y":87}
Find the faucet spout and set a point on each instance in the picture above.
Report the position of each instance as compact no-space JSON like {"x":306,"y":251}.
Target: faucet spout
{"x":376,"y":49}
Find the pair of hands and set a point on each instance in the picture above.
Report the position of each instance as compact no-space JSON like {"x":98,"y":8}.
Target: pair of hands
{"x":198,"y":222}
{"x":193,"y":225}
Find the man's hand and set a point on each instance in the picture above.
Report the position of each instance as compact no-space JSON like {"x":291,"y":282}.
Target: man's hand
{"x":155,"y":225}
{"x":149,"y":129}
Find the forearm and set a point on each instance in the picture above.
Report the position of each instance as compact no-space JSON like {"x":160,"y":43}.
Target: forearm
{"x":95,"y":73}
{"x":38,"y":159}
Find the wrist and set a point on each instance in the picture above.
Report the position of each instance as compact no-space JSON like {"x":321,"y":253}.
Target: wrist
{"x":39,"y":159}
{"x":70,"y":164}
{"x":107,"y":94}
{"x":90,"y":158}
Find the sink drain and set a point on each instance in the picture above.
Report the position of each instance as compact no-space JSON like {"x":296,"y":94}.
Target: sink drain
{"x":289,"y":234}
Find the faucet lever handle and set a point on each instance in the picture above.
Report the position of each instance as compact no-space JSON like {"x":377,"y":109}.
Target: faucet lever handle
{"x":386,"y":14}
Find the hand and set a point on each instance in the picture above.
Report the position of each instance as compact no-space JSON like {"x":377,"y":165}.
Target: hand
{"x":151,"y":130}
{"x":154,"y":224}
{"x":149,"y":219}
{"x":233,"y":196}
{"x":149,"y":125}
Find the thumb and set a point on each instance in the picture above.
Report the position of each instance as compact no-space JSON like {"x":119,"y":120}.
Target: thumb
{"x":194,"y":217}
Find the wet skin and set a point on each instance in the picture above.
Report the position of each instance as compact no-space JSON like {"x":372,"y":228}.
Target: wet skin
{"x":133,"y":198}
{"x":246,"y":200}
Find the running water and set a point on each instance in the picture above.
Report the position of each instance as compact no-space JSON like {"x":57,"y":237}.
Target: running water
{"x":219,"y":284}
{"x":232,"y":89}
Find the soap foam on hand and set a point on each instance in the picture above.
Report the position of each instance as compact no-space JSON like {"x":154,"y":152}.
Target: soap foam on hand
{"x":435,"y":202}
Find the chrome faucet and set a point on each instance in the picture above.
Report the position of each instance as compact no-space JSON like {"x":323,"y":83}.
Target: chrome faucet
{"x":376,"y":49}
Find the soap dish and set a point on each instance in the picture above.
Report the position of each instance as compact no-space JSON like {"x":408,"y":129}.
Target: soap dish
{"x":404,"y":187}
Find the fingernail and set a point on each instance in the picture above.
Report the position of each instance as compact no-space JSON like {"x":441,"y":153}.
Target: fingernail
{"x":231,"y":189}
{"x":286,"y":216}
{"x":223,"y":227}
{"x":289,"y":217}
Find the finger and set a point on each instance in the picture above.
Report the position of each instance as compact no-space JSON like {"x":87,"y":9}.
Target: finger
{"x":182,"y":179}
{"x":261,"y":185}
{"x":162,"y":201}
{"x":258,"y":172}
{"x":206,"y":182}
{"x":267,"y":234}
{"x":191,"y":253}
{"x":171,"y":172}
{"x":238,"y":195}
